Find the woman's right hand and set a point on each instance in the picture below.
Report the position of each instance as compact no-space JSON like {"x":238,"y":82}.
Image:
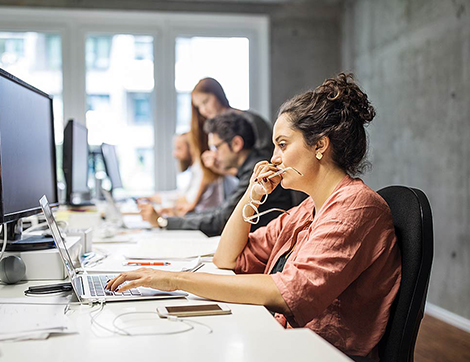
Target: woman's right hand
{"x":261,"y":172}
{"x":208,"y":159}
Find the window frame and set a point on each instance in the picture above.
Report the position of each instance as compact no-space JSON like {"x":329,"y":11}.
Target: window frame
{"x":75,"y":25}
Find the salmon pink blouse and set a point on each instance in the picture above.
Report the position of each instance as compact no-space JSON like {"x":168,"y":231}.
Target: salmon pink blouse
{"x":344,"y":270}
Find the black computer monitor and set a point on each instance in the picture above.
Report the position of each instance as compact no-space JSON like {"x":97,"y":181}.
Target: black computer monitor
{"x":111,"y":165}
{"x":27,"y":149}
{"x":75,"y":163}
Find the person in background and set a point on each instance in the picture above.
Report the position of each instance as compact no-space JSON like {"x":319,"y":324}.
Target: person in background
{"x":187,"y":180}
{"x":178,"y":201}
{"x":208,"y":100}
{"x":332,"y":264}
{"x":231,"y":138}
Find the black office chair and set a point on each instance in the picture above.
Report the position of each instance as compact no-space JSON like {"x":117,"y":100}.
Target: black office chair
{"x":412,"y":218}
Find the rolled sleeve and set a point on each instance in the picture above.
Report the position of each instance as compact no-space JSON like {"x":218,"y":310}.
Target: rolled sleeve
{"x":257,"y":252}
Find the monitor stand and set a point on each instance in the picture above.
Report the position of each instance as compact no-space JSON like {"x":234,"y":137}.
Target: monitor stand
{"x":17,"y":241}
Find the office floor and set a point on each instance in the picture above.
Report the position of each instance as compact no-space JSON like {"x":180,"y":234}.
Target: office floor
{"x":438,"y":341}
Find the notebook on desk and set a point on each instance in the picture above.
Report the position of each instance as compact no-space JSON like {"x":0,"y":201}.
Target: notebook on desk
{"x":90,"y":287}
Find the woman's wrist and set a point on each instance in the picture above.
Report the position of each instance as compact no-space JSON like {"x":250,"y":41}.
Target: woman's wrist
{"x":246,"y":197}
{"x":256,"y":192}
{"x":176,"y":280}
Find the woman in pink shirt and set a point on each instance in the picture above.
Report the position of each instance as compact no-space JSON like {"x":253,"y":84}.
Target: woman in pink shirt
{"x":330,"y":264}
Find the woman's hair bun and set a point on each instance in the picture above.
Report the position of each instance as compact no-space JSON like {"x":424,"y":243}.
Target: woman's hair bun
{"x":349,"y":99}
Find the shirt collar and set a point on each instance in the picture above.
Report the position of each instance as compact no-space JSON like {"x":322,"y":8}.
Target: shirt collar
{"x":248,"y":163}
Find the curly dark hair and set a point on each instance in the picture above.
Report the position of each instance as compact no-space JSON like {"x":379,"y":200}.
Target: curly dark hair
{"x":339,"y":110}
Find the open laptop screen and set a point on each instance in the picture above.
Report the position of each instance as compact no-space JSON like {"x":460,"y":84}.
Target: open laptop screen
{"x":57,"y":236}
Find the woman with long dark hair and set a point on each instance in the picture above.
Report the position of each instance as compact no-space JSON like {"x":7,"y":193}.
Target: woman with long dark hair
{"x":208,"y":100}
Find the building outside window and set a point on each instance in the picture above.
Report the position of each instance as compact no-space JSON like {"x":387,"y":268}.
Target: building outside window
{"x":25,"y":55}
{"x":140,"y":109}
{"x":98,"y":51}
{"x":119,"y":87}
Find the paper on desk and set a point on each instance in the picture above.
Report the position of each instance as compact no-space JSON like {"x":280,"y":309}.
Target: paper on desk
{"x":135,"y":235}
{"x":135,"y":222}
{"x":172,"y":249}
{"x":114,"y":239}
{"x":170,"y":235}
{"x":118,"y":235}
{"x":115,"y":266}
{"x":32,"y":321}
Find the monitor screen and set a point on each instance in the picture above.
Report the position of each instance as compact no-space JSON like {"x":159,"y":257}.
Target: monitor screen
{"x":111,"y":164}
{"x":75,"y":160}
{"x":27,"y":149}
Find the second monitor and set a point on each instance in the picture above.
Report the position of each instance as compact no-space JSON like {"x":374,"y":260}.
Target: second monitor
{"x":111,"y":165}
{"x":75,"y":164}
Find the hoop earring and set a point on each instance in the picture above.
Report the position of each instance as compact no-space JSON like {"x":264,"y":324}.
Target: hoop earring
{"x":319,"y":155}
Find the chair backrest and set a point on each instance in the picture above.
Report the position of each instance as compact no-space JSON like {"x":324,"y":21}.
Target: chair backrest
{"x":412,"y":219}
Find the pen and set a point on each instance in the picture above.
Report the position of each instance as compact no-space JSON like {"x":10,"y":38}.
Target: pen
{"x":148,"y":263}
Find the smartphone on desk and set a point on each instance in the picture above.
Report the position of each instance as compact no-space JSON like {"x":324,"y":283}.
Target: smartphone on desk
{"x":193,"y":310}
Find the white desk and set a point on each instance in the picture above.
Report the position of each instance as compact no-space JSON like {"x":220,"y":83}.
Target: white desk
{"x":249,"y":334}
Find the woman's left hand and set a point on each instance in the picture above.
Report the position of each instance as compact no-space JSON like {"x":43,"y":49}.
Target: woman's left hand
{"x":143,"y":277}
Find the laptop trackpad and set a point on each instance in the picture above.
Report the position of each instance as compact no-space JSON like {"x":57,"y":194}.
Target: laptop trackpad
{"x":149,"y":292}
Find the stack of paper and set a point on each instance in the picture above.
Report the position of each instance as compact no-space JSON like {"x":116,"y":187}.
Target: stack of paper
{"x":22,"y":321}
{"x":177,"y":248}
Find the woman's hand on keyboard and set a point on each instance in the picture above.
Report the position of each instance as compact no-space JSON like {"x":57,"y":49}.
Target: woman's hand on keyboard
{"x":143,"y":277}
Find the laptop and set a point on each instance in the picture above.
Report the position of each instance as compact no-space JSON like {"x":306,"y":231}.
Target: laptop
{"x":127,"y":221}
{"x":90,"y":287}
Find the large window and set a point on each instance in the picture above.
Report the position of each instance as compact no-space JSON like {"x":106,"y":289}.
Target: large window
{"x":128,"y":75}
{"x":36,"y":58}
{"x":119,"y":85}
{"x":225,"y":59}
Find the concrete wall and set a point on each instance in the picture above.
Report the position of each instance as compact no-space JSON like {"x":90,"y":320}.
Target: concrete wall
{"x":305,"y":36}
{"x":413,"y":59}
{"x":305,"y":49}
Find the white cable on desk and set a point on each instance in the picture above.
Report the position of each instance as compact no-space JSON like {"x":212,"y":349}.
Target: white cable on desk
{"x":5,"y":236}
{"x":124,"y":332}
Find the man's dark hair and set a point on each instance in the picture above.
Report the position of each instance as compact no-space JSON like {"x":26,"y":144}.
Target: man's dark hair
{"x":230,"y":124}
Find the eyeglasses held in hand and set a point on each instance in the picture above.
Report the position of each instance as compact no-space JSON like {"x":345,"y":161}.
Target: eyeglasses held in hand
{"x":253,"y":204}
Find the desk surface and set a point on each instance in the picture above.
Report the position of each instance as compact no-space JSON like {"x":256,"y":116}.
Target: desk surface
{"x":250,"y":333}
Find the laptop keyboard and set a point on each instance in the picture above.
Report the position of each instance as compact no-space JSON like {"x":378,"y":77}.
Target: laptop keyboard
{"x":98,"y":283}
